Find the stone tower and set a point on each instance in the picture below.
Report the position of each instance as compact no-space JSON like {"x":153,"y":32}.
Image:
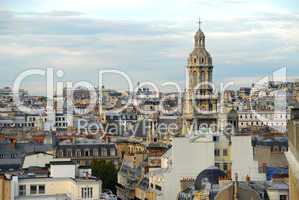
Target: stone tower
{"x":200,"y":105}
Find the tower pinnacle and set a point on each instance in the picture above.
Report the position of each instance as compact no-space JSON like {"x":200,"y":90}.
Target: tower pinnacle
{"x":199,"y":22}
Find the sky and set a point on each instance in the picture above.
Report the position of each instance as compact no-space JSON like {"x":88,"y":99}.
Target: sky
{"x":149,"y":40}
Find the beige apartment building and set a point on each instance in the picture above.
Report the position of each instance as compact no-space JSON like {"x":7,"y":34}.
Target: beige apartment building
{"x":65,"y":182}
{"x":293,"y":154}
{"x":58,"y":187}
{"x":5,"y":188}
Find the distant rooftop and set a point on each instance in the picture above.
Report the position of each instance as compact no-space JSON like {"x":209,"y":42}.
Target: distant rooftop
{"x":62,"y":163}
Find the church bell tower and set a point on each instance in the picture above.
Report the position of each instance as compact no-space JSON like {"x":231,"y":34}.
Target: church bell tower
{"x":200,"y":104}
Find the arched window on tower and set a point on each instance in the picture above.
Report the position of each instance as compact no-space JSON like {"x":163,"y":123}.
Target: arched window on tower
{"x":194,"y":60}
{"x":210,"y":75}
{"x":202,"y":76}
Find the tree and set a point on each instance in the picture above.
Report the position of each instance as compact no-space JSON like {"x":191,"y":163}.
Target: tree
{"x":107,"y":172}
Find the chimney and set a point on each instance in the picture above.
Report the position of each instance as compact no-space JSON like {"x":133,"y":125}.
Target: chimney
{"x":186,"y":182}
{"x":247,"y":178}
{"x":13,"y":142}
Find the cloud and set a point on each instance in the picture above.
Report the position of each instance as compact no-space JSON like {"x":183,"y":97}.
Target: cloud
{"x":54,"y":13}
{"x":146,"y":49}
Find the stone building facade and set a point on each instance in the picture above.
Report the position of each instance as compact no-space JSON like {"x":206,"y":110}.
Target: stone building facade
{"x":83,"y":153}
{"x":293,"y":154}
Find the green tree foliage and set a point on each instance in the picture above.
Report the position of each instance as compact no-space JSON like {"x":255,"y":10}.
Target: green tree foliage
{"x":107,"y":172}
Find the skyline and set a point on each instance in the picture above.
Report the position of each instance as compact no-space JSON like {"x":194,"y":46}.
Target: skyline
{"x":149,"y":99}
{"x":82,"y":38}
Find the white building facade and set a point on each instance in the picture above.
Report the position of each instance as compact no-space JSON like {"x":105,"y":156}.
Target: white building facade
{"x":186,"y":159}
{"x":243,"y":163}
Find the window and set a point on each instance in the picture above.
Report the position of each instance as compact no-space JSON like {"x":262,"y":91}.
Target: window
{"x":275,"y":149}
{"x":86,"y":153}
{"x":112,"y":152}
{"x":216,"y":152}
{"x":41,"y":189}
{"x":86,"y":192}
{"x":33,"y":189}
{"x":224,"y":166}
{"x":22,"y":190}
{"x":202,"y":76}
{"x":224,"y":152}
{"x":283,"y":197}
{"x":69,"y":153}
{"x":104,"y":152}
{"x":215,"y":138}
{"x":157,"y":187}
{"x":61,"y":153}
{"x":78,"y":153}
{"x":95,"y":152}
{"x":283,"y":149}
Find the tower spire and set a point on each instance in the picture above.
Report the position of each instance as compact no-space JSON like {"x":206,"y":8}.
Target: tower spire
{"x":199,"y":22}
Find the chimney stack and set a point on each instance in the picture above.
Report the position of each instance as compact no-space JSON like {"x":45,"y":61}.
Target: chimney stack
{"x":13,"y":142}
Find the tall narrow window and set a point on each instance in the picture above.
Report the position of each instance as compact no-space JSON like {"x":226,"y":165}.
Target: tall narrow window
{"x":216,"y":152}
{"x":112,"y":152}
{"x":86,"y":192}
{"x":41,"y":189}
{"x":33,"y":189}
{"x":225,"y":167}
{"x":202,"y":76}
{"x":104,"y":152}
{"x":224,"y":152}
{"x":22,"y":190}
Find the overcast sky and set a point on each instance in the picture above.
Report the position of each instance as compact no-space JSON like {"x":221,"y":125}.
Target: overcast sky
{"x":148,"y":39}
